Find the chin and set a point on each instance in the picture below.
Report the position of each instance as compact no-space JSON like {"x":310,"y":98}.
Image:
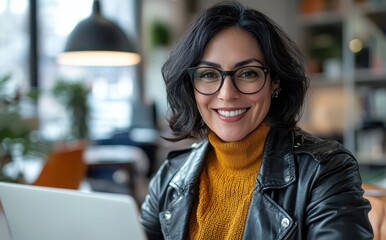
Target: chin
{"x":231,"y":137}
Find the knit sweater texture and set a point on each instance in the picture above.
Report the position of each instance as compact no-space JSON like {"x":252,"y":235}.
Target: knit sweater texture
{"x":226,"y":185}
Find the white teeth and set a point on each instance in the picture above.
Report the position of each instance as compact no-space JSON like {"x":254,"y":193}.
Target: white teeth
{"x":233,"y":113}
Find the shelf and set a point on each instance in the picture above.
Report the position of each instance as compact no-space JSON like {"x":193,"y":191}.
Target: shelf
{"x":372,"y":173}
{"x":321,"y":19}
{"x":363,"y":77}
{"x":372,"y":161}
{"x":367,"y":77}
{"x":375,"y":12}
{"x":321,"y":81}
{"x":333,"y":69}
{"x":379,"y":18}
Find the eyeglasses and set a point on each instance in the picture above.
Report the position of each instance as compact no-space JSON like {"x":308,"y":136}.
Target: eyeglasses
{"x":247,"y":79}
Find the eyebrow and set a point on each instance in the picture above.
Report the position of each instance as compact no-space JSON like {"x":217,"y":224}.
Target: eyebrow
{"x":239,"y":64}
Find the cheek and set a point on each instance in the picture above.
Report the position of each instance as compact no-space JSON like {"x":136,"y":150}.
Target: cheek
{"x":203,"y":104}
{"x":201,"y":100}
{"x":262,"y":102}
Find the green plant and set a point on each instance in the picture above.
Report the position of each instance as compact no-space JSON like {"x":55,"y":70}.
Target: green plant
{"x":159,"y":34}
{"x":73,"y":95}
{"x":17,"y":136}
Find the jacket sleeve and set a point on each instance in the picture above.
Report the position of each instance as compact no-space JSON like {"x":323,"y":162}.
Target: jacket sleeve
{"x":150,"y":208}
{"x":337,"y":208}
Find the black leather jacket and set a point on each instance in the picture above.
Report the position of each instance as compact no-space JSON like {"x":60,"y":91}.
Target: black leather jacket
{"x":307,"y":188}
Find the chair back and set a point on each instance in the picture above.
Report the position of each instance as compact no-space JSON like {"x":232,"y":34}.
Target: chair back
{"x":64,"y":168}
{"x":377,"y":215}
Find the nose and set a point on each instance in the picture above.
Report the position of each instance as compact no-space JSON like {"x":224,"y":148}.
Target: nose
{"x":228,"y":90}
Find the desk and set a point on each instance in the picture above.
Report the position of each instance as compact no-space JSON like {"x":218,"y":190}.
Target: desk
{"x":133,"y":160}
{"x":100,"y":154}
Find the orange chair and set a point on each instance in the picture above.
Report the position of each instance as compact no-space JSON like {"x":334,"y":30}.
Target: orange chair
{"x":377,"y":215}
{"x":64,"y":168}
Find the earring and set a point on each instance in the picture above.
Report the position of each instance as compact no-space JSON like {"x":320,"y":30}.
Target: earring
{"x":276,"y":93}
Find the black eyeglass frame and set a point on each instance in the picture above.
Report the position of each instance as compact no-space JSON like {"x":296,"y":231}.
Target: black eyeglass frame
{"x":231,"y":74}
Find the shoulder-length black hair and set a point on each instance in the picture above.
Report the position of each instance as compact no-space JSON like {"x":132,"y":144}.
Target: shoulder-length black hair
{"x":280,"y":53}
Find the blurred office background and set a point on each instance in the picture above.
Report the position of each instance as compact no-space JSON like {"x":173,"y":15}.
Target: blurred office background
{"x":116,"y":114}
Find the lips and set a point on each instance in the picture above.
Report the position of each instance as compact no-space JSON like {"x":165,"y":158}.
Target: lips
{"x":231,"y":113}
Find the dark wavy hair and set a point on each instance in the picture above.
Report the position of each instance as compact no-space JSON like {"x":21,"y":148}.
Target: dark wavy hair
{"x":280,"y":53}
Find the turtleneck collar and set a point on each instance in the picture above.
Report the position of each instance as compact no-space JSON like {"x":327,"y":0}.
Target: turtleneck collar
{"x":241,"y":154}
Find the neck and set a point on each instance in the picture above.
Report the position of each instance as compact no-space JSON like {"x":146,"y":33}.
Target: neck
{"x":241,"y":154}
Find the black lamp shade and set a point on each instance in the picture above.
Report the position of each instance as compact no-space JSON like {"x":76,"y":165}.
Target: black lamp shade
{"x":97,"y":41}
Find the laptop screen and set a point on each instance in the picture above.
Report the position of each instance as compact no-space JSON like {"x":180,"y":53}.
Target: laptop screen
{"x":43,"y":213}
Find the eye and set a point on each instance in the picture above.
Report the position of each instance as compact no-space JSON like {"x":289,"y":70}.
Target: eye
{"x":250,"y":73}
{"x":207,"y":74}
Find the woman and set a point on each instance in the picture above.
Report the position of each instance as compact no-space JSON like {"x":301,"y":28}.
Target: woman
{"x":237,"y":81}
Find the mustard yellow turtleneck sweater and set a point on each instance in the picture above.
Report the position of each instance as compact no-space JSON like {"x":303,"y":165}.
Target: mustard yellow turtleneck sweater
{"x":226,"y":186}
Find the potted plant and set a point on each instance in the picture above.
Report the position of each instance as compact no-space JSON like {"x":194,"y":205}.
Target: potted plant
{"x":17,"y":136}
{"x":160,"y":35}
{"x":73,"y":95}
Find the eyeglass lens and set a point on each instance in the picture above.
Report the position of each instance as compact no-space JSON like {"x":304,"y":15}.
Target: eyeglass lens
{"x":248,"y":80}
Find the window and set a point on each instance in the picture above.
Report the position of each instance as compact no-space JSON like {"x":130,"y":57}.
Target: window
{"x":112,"y":88}
{"x":14,"y":43}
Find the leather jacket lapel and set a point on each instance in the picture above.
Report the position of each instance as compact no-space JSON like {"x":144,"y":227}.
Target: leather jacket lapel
{"x":183,"y":189}
{"x":278,"y":166}
{"x":277,"y":171}
{"x":277,"y":224}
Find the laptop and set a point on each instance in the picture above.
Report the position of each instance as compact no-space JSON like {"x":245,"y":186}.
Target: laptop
{"x":42,"y":213}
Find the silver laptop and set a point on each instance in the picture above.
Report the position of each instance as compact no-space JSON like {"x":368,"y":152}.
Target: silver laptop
{"x":41,"y":213}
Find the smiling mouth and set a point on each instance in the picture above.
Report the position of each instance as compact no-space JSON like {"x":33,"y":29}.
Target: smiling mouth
{"x":232,"y":113}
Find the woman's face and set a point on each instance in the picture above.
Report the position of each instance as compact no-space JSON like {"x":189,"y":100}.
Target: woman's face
{"x":229,"y":113}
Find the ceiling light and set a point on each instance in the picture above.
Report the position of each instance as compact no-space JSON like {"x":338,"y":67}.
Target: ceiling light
{"x":97,"y":41}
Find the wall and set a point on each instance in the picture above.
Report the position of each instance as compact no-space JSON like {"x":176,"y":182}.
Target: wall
{"x":283,"y":12}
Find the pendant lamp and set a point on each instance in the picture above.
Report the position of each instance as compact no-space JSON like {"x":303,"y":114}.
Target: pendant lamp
{"x":97,"y":41}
